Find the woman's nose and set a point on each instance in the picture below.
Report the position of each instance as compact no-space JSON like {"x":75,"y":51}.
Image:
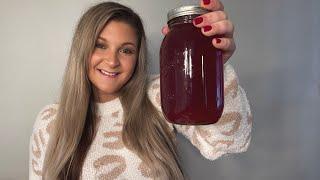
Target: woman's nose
{"x":112,"y":59}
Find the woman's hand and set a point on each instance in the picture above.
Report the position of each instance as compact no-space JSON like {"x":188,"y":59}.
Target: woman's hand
{"x":217,"y":23}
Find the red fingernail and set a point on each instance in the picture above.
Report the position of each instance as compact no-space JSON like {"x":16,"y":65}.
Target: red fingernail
{"x":207,"y":28}
{"x":206,"y":2}
{"x":218,"y":41}
{"x":197,"y":20}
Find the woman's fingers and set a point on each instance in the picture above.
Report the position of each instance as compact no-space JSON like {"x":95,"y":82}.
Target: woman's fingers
{"x":227,"y":45}
{"x":213,"y":23}
{"x":210,"y":18}
{"x":212,"y":5}
{"x":217,"y":23}
{"x":165,"y":29}
{"x":224,"y":28}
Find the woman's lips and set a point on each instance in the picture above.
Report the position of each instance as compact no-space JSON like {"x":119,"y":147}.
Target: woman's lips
{"x":108,"y":74}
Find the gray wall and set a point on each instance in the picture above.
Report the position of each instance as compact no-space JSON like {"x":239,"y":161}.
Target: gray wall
{"x":277,"y":60}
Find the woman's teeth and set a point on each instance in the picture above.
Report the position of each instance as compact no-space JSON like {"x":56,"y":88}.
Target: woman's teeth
{"x":108,"y":73}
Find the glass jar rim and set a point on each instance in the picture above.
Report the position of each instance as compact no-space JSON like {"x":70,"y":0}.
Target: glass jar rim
{"x":186,"y":10}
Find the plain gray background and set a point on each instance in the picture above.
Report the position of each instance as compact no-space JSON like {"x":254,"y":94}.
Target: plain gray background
{"x":277,"y":60}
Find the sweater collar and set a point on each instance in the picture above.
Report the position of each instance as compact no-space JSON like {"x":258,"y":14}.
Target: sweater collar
{"x":110,"y":107}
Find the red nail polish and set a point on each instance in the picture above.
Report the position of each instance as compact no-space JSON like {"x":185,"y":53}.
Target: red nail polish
{"x":206,"y":2}
{"x":207,"y":28}
{"x":197,"y":20}
{"x":218,"y":41}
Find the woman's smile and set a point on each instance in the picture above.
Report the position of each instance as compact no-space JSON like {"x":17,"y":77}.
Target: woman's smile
{"x":108,"y":73}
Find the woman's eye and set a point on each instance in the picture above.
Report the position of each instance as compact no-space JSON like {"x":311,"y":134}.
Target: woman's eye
{"x":100,"y":46}
{"x":127,"y":51}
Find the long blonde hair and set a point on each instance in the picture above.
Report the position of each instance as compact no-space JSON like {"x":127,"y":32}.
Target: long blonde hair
{"x":145,"y":131}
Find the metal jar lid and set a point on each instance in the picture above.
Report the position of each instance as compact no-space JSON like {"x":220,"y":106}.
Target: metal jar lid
{"x":186,"y":10}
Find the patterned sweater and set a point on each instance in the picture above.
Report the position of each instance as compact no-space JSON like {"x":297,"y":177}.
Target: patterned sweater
{"x":108,"y":158}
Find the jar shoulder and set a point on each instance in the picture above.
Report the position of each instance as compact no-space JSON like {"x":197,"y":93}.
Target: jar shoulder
{"x":188,"y":31}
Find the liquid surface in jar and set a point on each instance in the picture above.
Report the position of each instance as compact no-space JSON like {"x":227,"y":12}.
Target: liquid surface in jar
{"x":191,"y":77}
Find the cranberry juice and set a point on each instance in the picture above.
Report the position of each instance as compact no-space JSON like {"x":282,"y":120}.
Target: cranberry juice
{"x":191,"y":76}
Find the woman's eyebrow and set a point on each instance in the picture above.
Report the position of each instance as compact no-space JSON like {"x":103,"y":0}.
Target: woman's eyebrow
{"x":101,"y":38}
{"x":123,"y":44}
{"x":128,"y":43}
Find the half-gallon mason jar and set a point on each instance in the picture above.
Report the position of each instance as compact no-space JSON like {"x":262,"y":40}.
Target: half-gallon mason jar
{"x":191,"y":71}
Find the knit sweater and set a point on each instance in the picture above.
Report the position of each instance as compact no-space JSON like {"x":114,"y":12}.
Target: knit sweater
{"x":108,"y":158}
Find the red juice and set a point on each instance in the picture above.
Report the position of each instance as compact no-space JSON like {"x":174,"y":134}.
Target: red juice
{"x":191,"y":75}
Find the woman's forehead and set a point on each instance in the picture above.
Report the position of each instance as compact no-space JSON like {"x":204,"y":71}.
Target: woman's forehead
{"x":118,"y":32}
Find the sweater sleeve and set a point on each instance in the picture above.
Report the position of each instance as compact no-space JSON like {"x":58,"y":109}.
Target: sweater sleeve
{"x":39,"y":140}
{"x":231,"y":134}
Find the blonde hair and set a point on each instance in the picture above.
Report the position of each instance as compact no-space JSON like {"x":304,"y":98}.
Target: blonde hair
{"x":144,"y":130}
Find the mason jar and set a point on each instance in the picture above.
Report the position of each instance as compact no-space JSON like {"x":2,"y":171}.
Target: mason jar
{"x":191,"y":71}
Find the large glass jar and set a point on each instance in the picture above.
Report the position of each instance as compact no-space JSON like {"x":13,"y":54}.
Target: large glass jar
{"x":191,"y":71}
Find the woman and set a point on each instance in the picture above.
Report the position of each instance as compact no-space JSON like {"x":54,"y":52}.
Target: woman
{"x":108,"y":123}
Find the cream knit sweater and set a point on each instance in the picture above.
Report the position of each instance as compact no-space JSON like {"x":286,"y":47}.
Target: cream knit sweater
{"x":108,"y":158}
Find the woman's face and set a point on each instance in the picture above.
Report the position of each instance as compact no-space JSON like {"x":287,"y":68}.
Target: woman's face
{"x":113,"y":60}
